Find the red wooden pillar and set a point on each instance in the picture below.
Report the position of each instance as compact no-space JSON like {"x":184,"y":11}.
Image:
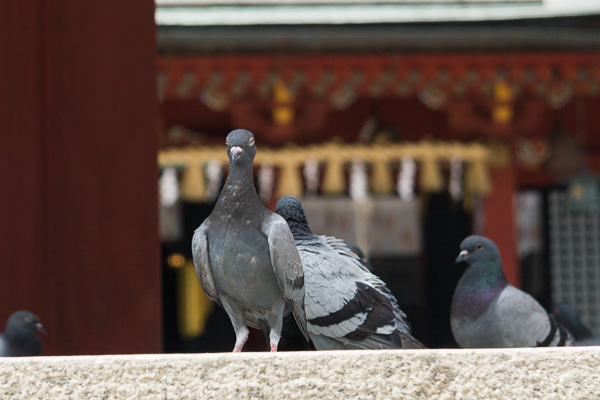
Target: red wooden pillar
{"x":78,"y":174}
{"x":499,"y":220}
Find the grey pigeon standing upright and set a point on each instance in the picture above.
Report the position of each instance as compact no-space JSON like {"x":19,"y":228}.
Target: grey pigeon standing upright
{"x":567,"y":316}
{"x":347,"y":307}
{"x":245,"y":256}
{"x":486,"y":311}
{"x":19,"y":338}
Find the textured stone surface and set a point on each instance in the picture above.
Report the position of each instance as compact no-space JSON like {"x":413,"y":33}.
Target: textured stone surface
{"x":566,"y":373}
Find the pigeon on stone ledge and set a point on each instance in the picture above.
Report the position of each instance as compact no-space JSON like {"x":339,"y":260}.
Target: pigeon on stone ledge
{"x":488,"y":312}
{"x":347,"y":307}
{"x":567,"y":316}
{"x":19,"y":338}
{"x":245,"y":256}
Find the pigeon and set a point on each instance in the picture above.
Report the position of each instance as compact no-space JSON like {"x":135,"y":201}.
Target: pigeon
{"x":487,"y":312}
{"x":245,"y":256}
{"x":364,"y":260}
{"x":567,"y":316}
{"x":347,"y":307}
{"x":19,"y":338}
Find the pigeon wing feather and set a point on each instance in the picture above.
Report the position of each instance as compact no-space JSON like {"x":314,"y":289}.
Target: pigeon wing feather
{"x":202,"y":262}
{"x":287,"y":266}
{"x":358,"y":311}
{"x":525,"y":322}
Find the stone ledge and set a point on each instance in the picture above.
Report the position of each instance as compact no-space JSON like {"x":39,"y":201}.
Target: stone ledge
{"x":565,"y":373}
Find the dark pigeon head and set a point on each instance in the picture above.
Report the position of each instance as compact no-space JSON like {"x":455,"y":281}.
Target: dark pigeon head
{"x":567,"y":316}
{"x":478,"y":249}
{"x":564,"y":310}
{"x":24,"y":321}
{"x":361,"y":255}
{"x":240,"y":147}
{"x":292,"y":211}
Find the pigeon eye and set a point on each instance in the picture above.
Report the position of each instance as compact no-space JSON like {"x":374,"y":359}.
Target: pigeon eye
{"x":479,"y":247}
{"x":251,"y":142}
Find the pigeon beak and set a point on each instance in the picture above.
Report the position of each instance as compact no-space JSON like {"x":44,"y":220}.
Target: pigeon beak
{"x":40,"y":328}
{"x":235,"y":152}
{"x":462,"y":256}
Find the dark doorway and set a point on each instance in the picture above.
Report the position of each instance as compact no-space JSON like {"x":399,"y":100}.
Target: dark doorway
{"x":446,"y":224}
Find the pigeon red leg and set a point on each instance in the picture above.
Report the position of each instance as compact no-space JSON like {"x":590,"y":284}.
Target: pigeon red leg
{"x":239,"y":343}
{"x":239,"y":326}
{"x":275,"y":334}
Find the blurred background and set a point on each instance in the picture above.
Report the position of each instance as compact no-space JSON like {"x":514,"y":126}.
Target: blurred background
{"x":402,"y":126}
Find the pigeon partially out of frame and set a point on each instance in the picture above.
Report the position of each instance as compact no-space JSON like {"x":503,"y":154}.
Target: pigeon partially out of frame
{"x":19,"y":338}
{"x":567,"y":316}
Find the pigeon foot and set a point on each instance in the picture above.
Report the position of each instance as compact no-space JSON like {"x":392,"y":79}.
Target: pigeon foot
{"x":239,"y":343}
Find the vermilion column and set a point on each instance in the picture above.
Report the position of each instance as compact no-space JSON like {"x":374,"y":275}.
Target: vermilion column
{"x":78,"y":194}
{"x":499,"y":220}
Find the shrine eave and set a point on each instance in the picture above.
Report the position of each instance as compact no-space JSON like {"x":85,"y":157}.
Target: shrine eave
{"x":380,"y":38}
{"x":453,"y":74}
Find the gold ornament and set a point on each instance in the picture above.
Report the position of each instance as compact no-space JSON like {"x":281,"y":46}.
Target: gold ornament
{"x":381,"y":178}
{"x":290,"y":180}
{"x":430,"y":180}
{"x":193,"y":185}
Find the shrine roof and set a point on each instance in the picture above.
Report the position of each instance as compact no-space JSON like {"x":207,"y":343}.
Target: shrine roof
{"x":316,"y":12}
{"x":255,"y":26}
